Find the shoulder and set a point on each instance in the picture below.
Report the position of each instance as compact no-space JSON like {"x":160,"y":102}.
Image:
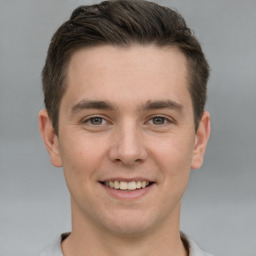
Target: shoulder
{"x":192,"y":247}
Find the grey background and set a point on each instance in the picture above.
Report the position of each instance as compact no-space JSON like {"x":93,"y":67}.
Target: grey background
{"x":219,"y":206}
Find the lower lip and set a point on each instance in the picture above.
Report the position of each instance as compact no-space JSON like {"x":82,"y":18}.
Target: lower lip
{"x":127,"y":194}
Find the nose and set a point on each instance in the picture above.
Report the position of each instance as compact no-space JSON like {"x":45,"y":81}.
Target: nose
{"x":127,"y":146}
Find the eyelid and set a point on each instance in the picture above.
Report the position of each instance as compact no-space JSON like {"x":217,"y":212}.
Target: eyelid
{"x":88,"y":118}
{"x":167,"y":118}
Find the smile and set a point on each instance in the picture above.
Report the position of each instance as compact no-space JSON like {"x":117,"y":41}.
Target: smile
{"x":123,"y":185}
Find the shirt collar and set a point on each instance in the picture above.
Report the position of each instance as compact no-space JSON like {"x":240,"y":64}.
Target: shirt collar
{"x":55,"y":248}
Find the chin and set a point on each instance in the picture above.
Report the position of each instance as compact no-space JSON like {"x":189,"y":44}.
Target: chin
{"x":129,"y":224}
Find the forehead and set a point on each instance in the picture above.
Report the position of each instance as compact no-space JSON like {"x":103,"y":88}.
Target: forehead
{"x":100,"y":58}
{"x":137,"y":72}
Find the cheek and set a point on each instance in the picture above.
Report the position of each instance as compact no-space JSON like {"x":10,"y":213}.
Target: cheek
{"x":175,"y":154}
{"x":81,"y":159}
{"x":174,"y":159}
{"x":80,"y":150}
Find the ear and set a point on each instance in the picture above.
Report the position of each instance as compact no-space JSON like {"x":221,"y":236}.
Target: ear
{"x":201,"y":139}
{"x":49,"y":137}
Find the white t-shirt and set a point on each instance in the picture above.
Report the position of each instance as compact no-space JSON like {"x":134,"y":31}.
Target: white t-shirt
{"x":55,"y":248}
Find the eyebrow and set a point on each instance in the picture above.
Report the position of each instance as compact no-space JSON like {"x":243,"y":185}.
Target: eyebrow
{"x":105,"y":105}
{"x":160,"y":104}
{"x":91,"y":104}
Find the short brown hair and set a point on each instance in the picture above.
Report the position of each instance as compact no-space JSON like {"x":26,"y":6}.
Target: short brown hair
{"x":122,"y":23}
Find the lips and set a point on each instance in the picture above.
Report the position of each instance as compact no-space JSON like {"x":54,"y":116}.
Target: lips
{"x":127,"y":188}
{"x":124,"y":185}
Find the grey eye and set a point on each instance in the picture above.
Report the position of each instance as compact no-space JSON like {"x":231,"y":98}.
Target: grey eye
{"x":96,"y":120}
{"x":158,"y":120}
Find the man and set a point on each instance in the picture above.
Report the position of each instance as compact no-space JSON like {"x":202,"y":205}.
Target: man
{"x":125,"y":88}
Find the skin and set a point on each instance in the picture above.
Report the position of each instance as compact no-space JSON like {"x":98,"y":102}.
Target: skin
{"x":142,"y":128}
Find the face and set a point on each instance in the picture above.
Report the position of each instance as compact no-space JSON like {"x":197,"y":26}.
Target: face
{"x":127,"y":138}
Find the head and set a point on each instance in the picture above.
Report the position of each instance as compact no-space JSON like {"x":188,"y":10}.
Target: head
{"x":126,"y":117}
{"x":122,"y":23}
{"x":125,"y":84}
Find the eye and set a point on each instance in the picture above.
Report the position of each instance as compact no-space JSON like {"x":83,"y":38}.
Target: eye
{"x":159,"y":120}
{"x":95,"y":121}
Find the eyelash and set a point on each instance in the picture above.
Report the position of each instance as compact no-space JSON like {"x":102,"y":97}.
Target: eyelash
{"x":165,"y":119}
{"x":89,"y":120}
{"x":104,"y":121}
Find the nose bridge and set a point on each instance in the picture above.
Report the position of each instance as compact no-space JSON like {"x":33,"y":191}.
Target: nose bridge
{"x":128,"y":146}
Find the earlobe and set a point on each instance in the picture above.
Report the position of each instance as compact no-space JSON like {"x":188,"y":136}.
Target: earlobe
{"x":50,"y":138}
{"x":201,"y":139}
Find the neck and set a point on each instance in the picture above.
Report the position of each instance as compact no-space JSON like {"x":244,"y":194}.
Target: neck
{"x":87,"y":237}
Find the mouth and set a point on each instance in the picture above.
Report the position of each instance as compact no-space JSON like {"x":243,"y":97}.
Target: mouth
{"x":127,"y":186}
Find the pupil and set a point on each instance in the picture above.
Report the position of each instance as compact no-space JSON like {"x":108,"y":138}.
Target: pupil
{"x":158,"y":120}
{"x":96,"y":120}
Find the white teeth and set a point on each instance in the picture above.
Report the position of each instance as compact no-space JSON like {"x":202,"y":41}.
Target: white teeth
{"x":111,"y":184}
{"x":138,"y":185}
{"x":116,"y":184}
{"x":123,"y":185}
{"x":132,"y":185}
